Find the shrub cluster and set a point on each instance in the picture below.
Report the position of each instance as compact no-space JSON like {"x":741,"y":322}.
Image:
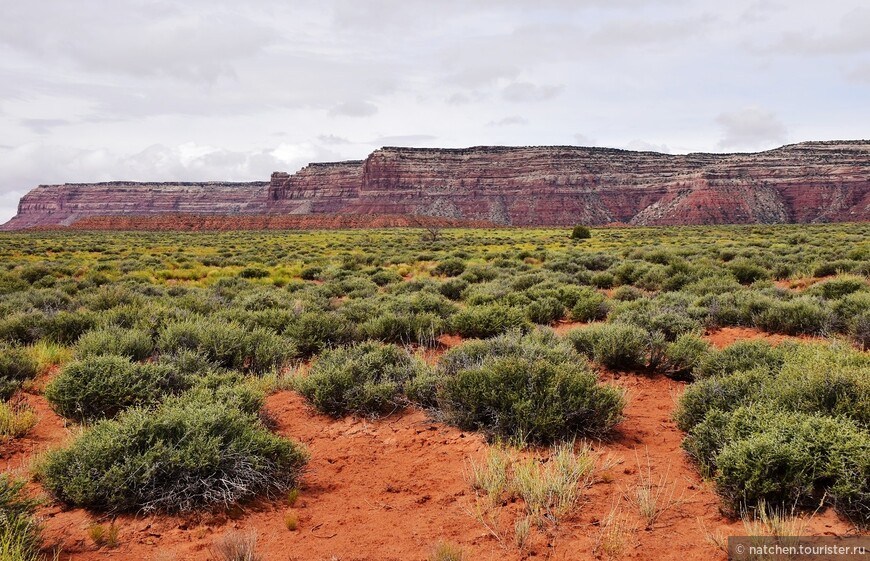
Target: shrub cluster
{"x":189,"y":453}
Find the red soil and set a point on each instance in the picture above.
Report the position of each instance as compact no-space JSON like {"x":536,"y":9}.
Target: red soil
{"x":727,"y":336}
{"x":392,"y":488}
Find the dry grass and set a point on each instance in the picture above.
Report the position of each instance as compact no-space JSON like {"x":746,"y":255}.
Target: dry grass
{"x":48,"y":355}
{"x":236,"y":546}
{"x":491,"y":475}
{"x":616,"y":533}
{"x":291,"y":521}
{"x":653,"y":497}
{"x":445,"y":551}
{"x":16,"y":419}
{"x":104,"y":535}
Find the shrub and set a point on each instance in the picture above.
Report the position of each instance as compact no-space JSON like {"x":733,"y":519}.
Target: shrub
{"x":838,"y":287}
{"x":16,"y":366}
{"x":226,"y":344}
{"x":253,"y":273}
{"x":743,"y":355}
{"x":104,"y":386}
{"x":487,"y":320}
{"x":533,"y":400}
{"x":452,"y":267}
{"x":16,"y":420}
{"x":453,"y":288}
{"x":685,"y":354}
{"x":541,"y":345}
{"x":721,"y":393}
{"x":135,"y":344}
{"x":188,"y":454}
{"x":796,"y":317}
{"x":747,"y":272}
{"x":421,"y":328}
{"x":590,"y":305}
{"x":580,"y":233}
{"x":614,"y":345}
{"x":365,"y":379}
{"x":314,"y":331}
{"x":545,"y":311}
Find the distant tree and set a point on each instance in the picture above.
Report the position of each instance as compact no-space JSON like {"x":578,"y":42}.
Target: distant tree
{"x":580,"y":233}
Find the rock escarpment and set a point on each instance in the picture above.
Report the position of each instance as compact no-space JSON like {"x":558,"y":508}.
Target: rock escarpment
{"x":520,"y":186}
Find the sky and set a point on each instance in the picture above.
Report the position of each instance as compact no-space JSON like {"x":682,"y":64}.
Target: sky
{"x":201,"y":90}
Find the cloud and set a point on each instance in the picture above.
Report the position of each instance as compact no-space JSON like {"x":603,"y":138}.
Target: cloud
{"x":354,"y":109}
{"x":524,"y":92}
{"x":42,"y":126}
{"x":331,"y":139}
{"x":583,"y":140}
{"x":644,"y":146}
{"x":403,"y":140}
{"x":508,"y":121}
{"x":750,"y":128}
{"x":851,"y":37}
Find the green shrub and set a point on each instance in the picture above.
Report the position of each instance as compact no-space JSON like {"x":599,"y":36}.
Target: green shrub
{"x":314,"y":331}
{"x":838,"y":287}
{"x":253,"y":273}
{"x":103,"y":386}
{"x":487,"y":320}
{"x":228,"y":345}
{"x":590,"y":305}
{"x":685,"y":354}
{"x":16,"y":366}
{"x":742,"y":355}
{"x":533,"y":400}
{"x":22,"y":327}
{"x":800,"y":316}
{"x":747,"y":272}
{"x":614,"y":345}
{"x":859,"y":329}
{"x":580,"y":233}
{"x":364,"y":379}
{"x":186,"y":455}
{"x":720,"y":393}
{"x":545,"y":311}
{"x":453,"y":288}
{"x":541,"y":345}
{"x":450,"y":267}
{"x":135,"y":344}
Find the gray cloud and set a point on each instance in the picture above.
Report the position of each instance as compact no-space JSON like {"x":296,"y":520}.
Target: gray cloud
{"x":522,"y":92}
{"x":750,"y":128}
{"x":403,"y":140}
{"x":508,"y":121}
{"x":354,"y":109}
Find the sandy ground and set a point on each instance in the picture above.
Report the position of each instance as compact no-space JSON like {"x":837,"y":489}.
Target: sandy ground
{"x":391,"y":489}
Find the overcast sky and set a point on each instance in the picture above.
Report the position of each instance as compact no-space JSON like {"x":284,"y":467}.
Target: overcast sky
{"x":97,"y":90}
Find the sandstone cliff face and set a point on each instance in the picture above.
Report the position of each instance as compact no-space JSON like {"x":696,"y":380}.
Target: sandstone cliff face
{"x":520,"y":186}
{"x":62,"y":205}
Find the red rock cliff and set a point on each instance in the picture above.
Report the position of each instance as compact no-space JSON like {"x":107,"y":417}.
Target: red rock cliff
{"x":521,"y":186}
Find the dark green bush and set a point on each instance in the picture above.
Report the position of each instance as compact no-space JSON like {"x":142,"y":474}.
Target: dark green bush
{"x":103,"y":386}
{"x":453,"y":288}
{"x":487,"y":320}
{"x":450,"y":267}
{"x":801,"y":316}
{"x":685,"y":354}
{"x":742,"y":355}
{"x":314,"y":331}
{"x":545,"y":311}
{"x":364,"y":379}
{"x":135,"y":344}
{"x":614,"y":345}
{"x":253,"y":273}
{"x":580,"y":233}
{"x":533,"y":400}
{"x":66,"y":327}
{"x":747,"y":272}
{"x":188,"y":454}
{"x":16,"y":366}
{"x":838,"y":287}
{"x":590,"y":305}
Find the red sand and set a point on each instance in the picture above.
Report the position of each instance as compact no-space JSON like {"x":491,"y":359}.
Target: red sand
{"x":727,"y":336}
{"x":391,"y":489}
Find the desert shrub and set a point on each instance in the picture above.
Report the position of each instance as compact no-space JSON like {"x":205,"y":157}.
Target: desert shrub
{"x":16,"y":366}
{"x":253,"y":273}
{"x":226,"y":344}
{"x":747,"y":272}
{"x":859,"y":329}
{"x":453,"y":288}
{"x":627,"y":294}
{"x":580,"y":233}
{"x":423,"y":328}
{"x":383,"y":277}
{"x":667,"y":314}
{"x":534,"y":400}
{"x":22,"y":327}
{"x":19,"y":530}
{"x":230,"y":389}
{"x":545,"y":311}
{"x":364,"y":379}
{"x":487,"y":320}
{"x":188,"y":454}
{"x":685,"y":354}
{"x":311,"y":273}
{"x":135,"y":344}
{"x":743,"y":355}
{"x":602,"y":279}
{"x":541,"y":345}
{"x":721,"y":393}
{"x":314,"y":331}
{"x":66,"y":327}
{"x":479,"y":273}
{"x":800,"y":316}
{"x":590,"y":305}
{"x":452,"y":267}
{"x":103,"y":386}
{"x":838,"y":287}
{"x":836,"y":267}
{"x":614,"y":345}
